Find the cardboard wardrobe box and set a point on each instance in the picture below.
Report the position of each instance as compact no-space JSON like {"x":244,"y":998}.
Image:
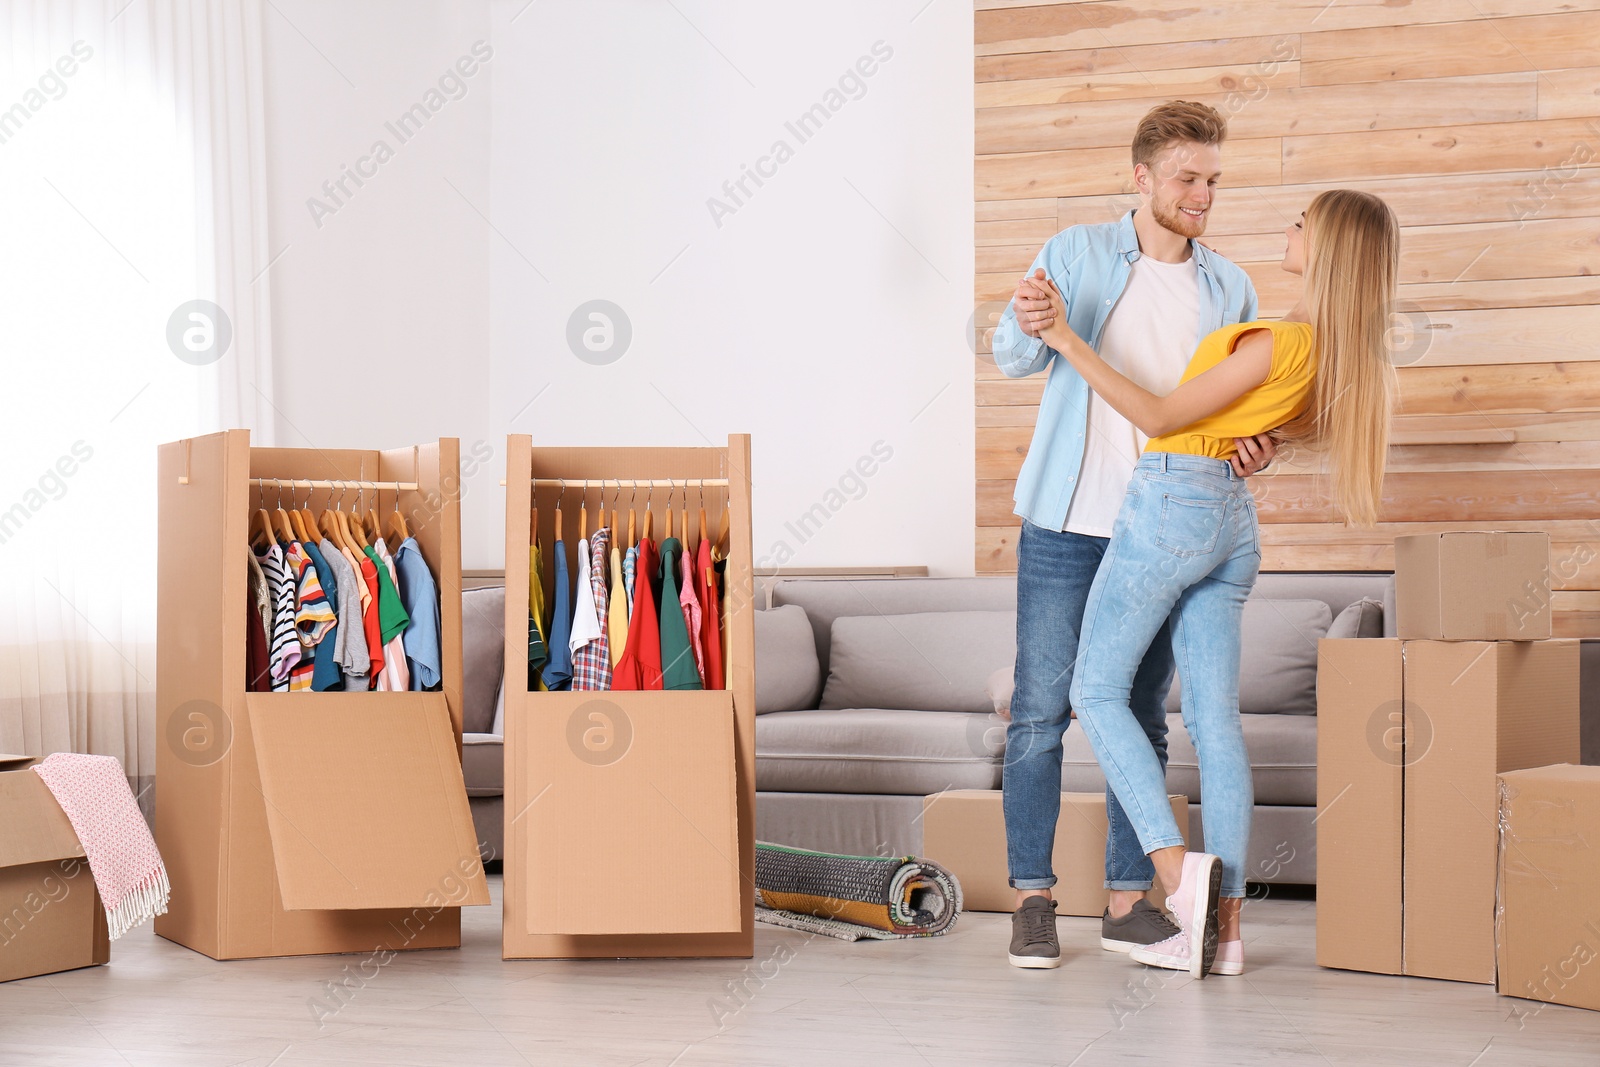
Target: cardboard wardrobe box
{"x":51,"y":918}
{"x":646,"y":794}
{"x":964,"y":830}
{"x":1359,"y":821}
{"x":1548,"y":916}
{"x":301,"y":823}
{"x":1472,"y":586}
{"x":1411,"y":736}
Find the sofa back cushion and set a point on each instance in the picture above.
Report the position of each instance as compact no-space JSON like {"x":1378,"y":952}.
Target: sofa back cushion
{"x":483,"y":656}
{"x":929,"y":661}
{"x":787,"y":675}
{"x":826,"y":599}
{"x":1278,"y":660}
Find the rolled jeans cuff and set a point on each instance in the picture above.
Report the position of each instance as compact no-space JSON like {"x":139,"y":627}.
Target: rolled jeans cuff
{"x":1129,"y":886}
{"x":1032,"y":883}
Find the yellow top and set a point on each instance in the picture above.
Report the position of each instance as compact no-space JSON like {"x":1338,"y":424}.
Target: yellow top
{"x":1284,"y":394}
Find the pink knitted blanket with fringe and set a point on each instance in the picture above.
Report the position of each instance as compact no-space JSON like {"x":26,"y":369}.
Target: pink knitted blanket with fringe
{"x":122,"y":855}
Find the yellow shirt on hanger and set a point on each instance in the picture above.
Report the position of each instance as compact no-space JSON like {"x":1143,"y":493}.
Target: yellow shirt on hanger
{"x":617,"y":613}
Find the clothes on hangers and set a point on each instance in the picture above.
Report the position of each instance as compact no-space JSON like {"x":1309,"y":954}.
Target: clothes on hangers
{"x":351,"y":647}
{"x":617,"y":616}
{"x":538,"y":648}
{"x":371,"y":624}
{"x":257,"y":664}
{"x":392,"y":620}
{"x":419,"y":595}
{"x":689,"y":599}
{"x":313,"y":617}
{"x":590,"y":644}
{"x":630,"y":566}
{"x":710,"y":619}
{"x":326,"y":672}
{"x":558,"y":672}
{"x":640,"y":666}
{"x":677,"y":656}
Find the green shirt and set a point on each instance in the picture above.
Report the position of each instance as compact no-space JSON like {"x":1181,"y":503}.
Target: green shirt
{"x":677,"y":657}
{"x":392,"y":617}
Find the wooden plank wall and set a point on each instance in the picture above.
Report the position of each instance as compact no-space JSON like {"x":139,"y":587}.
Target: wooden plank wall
{"x":1478,"y":120}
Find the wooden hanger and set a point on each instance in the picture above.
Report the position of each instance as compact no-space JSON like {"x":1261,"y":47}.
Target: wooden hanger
{"x":397,"y":523}
{"x":285,"y":528}
{"x":702,"y":509}
{"x":668,"y":534}
{"x":685,"y":515}
{"x":719,"y":547}
{"x":261,"y":529}
{"x":632,"y":517}
{"x":648,"y":515}
{"x":559,"y":493}
{"x":583,"y":515}
{"x":533,"y":523}
{"x":616,"y":502}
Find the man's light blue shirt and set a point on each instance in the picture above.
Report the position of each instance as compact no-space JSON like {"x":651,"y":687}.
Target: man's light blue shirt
{"x":1090,"y":265}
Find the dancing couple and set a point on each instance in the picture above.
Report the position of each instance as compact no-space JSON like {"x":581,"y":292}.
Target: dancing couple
{"x":1139,"y":543}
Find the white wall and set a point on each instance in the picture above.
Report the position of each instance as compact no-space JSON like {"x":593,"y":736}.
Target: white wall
{"x":827,"y":313}
{"x":380,"y":314}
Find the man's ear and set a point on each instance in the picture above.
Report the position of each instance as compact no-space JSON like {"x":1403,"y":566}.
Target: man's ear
{"x":1141,"y":177}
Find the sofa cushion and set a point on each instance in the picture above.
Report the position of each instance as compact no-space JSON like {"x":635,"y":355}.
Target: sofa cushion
{"x":933,"y":661}
{"x":878,"y":750}
{"x":787,"y":675}
{"x":1363,"y":618}
{"x":483,"y":764}
{"x":826,"y":599}
{"x":1278,"y":659}
{"x":483,"y":655}
{"x":1283,"y":760}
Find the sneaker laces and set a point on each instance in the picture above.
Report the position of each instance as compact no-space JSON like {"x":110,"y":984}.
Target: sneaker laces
{"x":1038,"y":924}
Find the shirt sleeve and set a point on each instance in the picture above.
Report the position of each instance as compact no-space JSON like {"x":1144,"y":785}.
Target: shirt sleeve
{"x":1015,"y":353}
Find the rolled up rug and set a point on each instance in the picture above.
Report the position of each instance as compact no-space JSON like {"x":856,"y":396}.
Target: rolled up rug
{"x":854,"y":897}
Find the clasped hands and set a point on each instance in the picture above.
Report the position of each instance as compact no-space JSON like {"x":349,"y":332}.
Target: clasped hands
{"x":1041,"y":312}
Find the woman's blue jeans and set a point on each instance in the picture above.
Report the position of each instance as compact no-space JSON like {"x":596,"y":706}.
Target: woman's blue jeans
{"x":1185,"y":547}
{"x":1055,"y":571}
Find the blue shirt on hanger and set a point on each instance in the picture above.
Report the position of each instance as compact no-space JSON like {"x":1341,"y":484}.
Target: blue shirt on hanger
{"x":420,"y":596}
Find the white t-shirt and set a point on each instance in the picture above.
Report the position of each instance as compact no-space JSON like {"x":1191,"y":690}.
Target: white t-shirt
{"x":1150,"y":337}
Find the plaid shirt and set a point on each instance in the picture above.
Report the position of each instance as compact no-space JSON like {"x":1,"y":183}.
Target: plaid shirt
{"x":591,"y":662}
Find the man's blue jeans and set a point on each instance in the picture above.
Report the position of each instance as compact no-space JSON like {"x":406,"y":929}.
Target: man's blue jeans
{"x":1184,"y":554}
{"x":1055,"y":572}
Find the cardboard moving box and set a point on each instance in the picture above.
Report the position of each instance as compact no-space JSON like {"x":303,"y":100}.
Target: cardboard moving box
{"x":1410,"y":738}
{"x":1360,"y":759}
{"x":964,"y":830}
{"x":609,"y":791}
{"x":51,"y":918}
{"x":298,"y":823}
{"x":1474,"y":710}
{"x":1472,"y":586}
{"x":1548,"y":919}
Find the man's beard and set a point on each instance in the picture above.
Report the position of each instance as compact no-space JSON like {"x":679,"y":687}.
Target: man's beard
{"x":1176,"y":221}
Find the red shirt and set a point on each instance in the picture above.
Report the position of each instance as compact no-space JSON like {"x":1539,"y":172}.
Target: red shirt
{"x":369,"y":619}
{"x":640,"y":665}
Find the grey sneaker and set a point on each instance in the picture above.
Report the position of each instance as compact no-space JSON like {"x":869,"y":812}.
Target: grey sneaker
{"x":1033,"y":934}
{"x":1144,"y":925}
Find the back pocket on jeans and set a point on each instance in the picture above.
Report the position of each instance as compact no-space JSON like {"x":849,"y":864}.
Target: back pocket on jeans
{"x":1190,"y":527}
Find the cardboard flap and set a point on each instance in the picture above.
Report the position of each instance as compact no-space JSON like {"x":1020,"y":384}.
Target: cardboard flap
{"x":366,"y":806}
{"x":629,"y":789}
{"x":37,"y":830}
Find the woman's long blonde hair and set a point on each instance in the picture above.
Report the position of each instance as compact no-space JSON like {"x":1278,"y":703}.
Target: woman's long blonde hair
{"x":1352,"y":250}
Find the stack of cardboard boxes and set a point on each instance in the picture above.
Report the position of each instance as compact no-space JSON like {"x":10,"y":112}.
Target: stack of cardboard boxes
{"x":1413,"y":733}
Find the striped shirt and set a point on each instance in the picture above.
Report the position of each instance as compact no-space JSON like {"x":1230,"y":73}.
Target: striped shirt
{"x":313,"y":616}
{"x":283,"y":643}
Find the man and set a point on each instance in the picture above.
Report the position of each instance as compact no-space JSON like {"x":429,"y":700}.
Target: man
{"x":1142,"y":292}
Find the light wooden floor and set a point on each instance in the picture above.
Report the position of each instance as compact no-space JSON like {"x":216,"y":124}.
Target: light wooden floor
{"x":940,"y":1002}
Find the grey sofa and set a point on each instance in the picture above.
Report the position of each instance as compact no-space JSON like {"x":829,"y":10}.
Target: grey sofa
{"x":889,"y":704}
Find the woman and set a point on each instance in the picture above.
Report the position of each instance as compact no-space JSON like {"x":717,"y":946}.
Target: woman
{"x":1185,"y":542}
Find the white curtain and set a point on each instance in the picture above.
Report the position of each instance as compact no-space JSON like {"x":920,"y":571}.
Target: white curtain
{"x":131,"y":170}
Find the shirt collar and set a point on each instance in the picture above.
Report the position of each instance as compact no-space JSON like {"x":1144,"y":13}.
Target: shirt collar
{"x":1128,"y":245}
